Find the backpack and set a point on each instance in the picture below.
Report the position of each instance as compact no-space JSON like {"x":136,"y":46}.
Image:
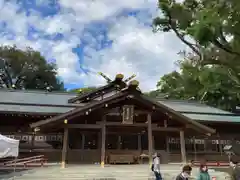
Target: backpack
{"x":152,"y":167}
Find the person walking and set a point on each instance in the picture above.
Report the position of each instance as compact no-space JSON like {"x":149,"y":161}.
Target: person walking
{"x":156,"y":166}
{"x":234,"y":169}
{"x":203,"y":173}
{"x":185,"y":174}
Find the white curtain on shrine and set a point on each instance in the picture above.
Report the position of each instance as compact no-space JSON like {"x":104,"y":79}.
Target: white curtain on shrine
{"x":8,"y":147}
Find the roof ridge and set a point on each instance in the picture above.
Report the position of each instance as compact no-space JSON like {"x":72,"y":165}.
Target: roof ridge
{"x":37,"y":91}
{"x":180,"y":100}
{"x":193,"y":102}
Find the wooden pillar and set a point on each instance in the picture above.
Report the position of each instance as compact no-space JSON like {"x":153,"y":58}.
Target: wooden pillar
{"x":150,"y":142}
{"x":139,"y":143}
{"x":195,"y":148}
{"x":65,"y":147}
{"x":119,"y":142}
{"x":167,"y":144}
{"x":205,"y":144}
{"x":220,"y":145}
{"x":99,"y":140}
{"x":103,"y":141}
{"x":183,"y":148}
{"x":83,"y":141}
{"x":33,"y":140}
{"x":167,"y":138}
{"x":153,"y":143}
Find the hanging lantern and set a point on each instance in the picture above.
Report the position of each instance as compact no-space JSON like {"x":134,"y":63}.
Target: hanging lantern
{"x":36,"y":129}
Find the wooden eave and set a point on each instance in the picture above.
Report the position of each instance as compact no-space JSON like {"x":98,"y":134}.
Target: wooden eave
{"x":99,"y":91}
{"x":122,"y":95}
{"x":179,"y":116}
{"x":81,"y":110}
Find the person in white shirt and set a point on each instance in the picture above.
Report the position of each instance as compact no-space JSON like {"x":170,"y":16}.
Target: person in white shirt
{"x":156,"y":166}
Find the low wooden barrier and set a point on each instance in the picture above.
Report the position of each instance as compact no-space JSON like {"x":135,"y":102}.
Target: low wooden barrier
{"x":211,"y":163}
{"x":121,"y":158}
{"x":34,"y":161}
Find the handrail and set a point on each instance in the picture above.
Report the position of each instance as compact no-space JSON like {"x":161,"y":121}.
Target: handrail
{"x":25,"y":162}
{"x":23,"y":159}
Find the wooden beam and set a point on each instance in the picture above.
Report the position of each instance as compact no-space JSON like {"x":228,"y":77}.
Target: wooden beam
{"x":103,"y":142}
{"x":138,"y":112}
{"x":190,"y":126}
{"x":168,"y":129}
{"x":121,"y":124}
{"x":84,"y":126}
{"x":183,"y":148}
{"x":99,"y":126}
{"x":150,"y":142}
{"x":65,"y":145}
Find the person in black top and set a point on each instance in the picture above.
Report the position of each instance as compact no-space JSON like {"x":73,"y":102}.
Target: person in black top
{"x":185,"y":174}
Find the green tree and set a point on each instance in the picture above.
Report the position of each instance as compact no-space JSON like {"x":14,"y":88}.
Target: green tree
{"x":209,"y":28}
{"x":210,"y":85}
{"x":83,"y":90}
{"x":27,"y":69}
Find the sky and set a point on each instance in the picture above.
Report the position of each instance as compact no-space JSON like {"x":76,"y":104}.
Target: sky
{"x":84,"y":37}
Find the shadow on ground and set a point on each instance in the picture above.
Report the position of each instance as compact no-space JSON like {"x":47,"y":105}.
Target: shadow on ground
{"x":9,"y":173}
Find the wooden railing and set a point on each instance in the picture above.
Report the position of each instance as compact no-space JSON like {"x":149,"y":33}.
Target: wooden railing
{"x":34,"y":161}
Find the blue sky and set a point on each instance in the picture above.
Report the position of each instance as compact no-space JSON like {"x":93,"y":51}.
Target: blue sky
{"x":85,"y":37}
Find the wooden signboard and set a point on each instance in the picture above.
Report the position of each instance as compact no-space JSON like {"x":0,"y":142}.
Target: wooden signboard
{"x":127,"y":114}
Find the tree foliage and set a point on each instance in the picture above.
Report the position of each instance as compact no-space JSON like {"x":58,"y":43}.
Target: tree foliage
{"x":26,"y":70}
{"x":209,"y":28}
{"x":208,"y":84}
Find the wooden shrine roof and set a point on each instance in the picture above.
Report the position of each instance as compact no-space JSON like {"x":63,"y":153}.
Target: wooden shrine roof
{"x":200,"y":112}
{"x":35,"y":102}
{"x":120,"y":96}
{"x":42,"y":102}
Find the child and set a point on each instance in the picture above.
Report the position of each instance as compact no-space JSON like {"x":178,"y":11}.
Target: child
{"x":203,"y":173}
{"x":185,"y":174}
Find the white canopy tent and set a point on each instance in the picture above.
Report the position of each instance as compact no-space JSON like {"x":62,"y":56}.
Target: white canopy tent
{"x":8,"y":147}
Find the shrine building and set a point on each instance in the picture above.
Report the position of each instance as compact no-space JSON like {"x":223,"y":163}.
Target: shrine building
{"x":115,"y":123}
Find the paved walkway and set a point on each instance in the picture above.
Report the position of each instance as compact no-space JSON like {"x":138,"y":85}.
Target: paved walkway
{"x":112,"y":172}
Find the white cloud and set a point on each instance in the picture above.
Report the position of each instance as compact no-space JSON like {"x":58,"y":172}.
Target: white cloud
{"x":135,"y":49}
